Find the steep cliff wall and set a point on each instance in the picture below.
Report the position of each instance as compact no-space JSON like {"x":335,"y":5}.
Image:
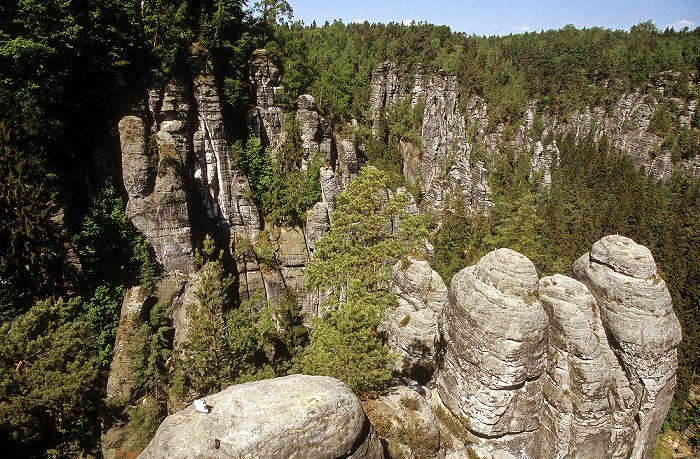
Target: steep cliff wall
{"x":457,"y":141}
{"x":175,"y":162}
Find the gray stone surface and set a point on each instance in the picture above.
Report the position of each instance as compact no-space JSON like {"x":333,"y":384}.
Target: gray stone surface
{"x":643,"y":330}
{"x":225,"y":188}
{"x":412,"y":325}
{"x":316,"y":135}
{"x":588,"y":401}
{"x":387,"y":89}
{"x":157,"y":200}
{"x":446,"y":164}
{"x":265,"y":119}
{"x":120,"y":380}
{"x":317,"y":223}
{"x":296,"y":416}
{"x":183,"y":306}
{"x":542,"y":160}
{"x":408,"y":423}
{"x":493,"y":335}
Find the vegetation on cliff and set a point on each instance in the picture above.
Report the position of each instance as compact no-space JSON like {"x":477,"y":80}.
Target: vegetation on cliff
{"x":64,"y":66}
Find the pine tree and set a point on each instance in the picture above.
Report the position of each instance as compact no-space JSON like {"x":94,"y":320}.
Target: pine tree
{"x":352,"y":264}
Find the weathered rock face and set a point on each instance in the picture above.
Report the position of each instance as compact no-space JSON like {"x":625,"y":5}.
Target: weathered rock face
{"x":445,"y":165}
{"x":406,"y":420}
{"x":266,"y":119}
{"x":316,"y":136}
{"x":412,"y":325}
{"x":494,"y":337}
{"x":183,"y":305}
{"x":387,"y":89}
{"x":181,"y":162}
{"x":626,"y":128}
{"x":120,"y":380}
{"x":610,"y":339}
{"x":542,"y":160}
{"x":643,"y":330}
{"x":588,"y":402}
{"x":292,"y":417}
{"x":224,"y":188}
{"x":157,"y":200}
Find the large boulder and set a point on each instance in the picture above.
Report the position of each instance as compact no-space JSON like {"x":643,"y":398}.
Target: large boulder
{"x":296,"y":416}
{"x":493,"y":339}
{"x":643,"y":331}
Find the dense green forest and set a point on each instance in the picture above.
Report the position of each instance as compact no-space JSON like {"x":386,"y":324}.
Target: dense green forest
{"x":67,"y":67}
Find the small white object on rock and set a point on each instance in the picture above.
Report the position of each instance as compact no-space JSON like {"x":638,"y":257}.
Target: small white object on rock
{"x":201,"y":406}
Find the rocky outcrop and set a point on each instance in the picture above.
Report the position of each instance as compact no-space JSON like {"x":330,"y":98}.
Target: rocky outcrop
{"x":120,"y":380}
{"x":265,"y":119}
{"x":561,"y":367}
{"x":403,"y":416}
{"x":541,"y":162}
{"x":347,"y":164}
{"x":316,"y":136}
{"x":412,"y":324}
{"x":443,"y":165}
{"x":642,"y":329}
{"x":387,"y":89}
{"x":225,"y":189}
{"x":626,"y":127}
{"x":152,"y":167}
{"x":175,"y":159}
{"x":588,"y":402}
{"x":493,"y":335}
{"x":295,"y":416}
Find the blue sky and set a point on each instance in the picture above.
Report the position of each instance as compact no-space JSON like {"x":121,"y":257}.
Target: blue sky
{"x":502,"y":17}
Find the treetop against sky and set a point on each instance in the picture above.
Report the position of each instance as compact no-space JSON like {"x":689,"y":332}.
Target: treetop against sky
{"x":503,"y":17}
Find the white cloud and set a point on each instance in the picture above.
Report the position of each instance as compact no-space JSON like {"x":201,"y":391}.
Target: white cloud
{"x":681,"y":24}
{"x":495,"y":27}
{"x":408,"y":22}
{"x":522,"y":29}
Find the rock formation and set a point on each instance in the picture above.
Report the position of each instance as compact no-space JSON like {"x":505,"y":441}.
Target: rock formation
{"x":266,"y":119}
{"x":561,"y":367}
{"x":175,"y":158}
{"x":387,"y":89}
{"x":316,"y":136}
{"x":224,"y":187}
{"x":459,"y":143}
{"x":121,"y":379}
{"x":152,"y":173}
{"x":587,"y":396}
{"x":403,"y":416}
{"x":642,"y":328}
{"x":412,"y":324}
{"x":296,"y":416}
{"x":443,"y":165}
{"x":494,"y":338}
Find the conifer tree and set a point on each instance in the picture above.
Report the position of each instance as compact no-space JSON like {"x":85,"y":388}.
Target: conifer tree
{"x":352,"y":264}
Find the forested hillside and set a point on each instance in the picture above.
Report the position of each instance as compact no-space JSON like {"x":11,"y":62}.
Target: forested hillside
{"x":70,"y":251}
